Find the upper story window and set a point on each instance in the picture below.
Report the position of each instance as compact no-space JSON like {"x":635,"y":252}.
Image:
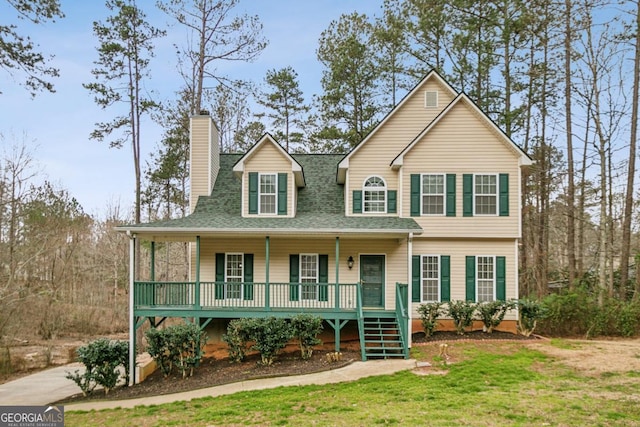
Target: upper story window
{"x":485,"y":195}
{"x":431,"y":99}
{"x":433,"y":194}
{"x":375,"y":195}
{"x":268,"y":193}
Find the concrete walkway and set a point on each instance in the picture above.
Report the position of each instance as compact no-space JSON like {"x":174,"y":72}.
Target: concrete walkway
{"x":51,"y":385}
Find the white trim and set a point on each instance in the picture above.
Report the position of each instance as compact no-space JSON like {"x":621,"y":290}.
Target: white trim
{"x":132,"y":318}
{"x":386,"y":195}
{"x":444,"y":194}
{"x":493,"y":257}
{"x":226,"y":277}
{"x":497,"y":194}
{"x":317,"y":278}
{"x":275,"y":212}
{"x":409,"y":284}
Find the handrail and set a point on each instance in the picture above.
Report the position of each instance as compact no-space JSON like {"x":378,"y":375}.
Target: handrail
{"x":360,"y":315}
{"x":402,"y":294}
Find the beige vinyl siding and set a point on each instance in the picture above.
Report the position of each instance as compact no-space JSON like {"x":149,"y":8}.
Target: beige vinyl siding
{"x":268,"y":159}
{"x":204,"y":158}
{"x":458,"y":250}
{"x":462,"y":143}
{"x":280,"y":249}
{"x":375,"y":156}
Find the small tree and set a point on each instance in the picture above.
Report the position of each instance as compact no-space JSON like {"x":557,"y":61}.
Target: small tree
{"x":306,"y":328}
{"x":237,"y":337}
{"x":530,"y":312}
{"x":102,"y":359}
{"x":492,"y":313}
{"x":461,"y":313}
{"x":270,"y":336}
{"x":429,"y":313}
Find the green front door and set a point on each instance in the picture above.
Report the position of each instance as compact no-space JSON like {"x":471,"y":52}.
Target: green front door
{"x":372,"y":277}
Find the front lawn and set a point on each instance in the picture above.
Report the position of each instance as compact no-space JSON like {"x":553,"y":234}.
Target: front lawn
{"x":492,"y":384}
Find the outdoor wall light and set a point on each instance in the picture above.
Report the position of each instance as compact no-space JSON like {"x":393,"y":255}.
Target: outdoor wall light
{"x":350,"y":262}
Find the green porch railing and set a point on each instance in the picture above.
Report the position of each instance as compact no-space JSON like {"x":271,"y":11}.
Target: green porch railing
{"x":402,"y":314}
{"x":245,"y":295}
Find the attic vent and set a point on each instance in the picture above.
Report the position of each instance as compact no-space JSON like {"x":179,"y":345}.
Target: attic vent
{"x":430,"y":99}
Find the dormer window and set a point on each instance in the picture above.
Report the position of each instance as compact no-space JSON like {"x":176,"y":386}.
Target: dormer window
{"x":268,"y":191}
{"x":375,"y":195}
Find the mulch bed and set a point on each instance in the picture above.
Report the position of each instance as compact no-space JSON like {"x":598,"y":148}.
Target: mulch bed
{"x":419,"y":337}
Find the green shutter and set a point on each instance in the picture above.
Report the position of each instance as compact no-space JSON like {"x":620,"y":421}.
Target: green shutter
{"x":248,"y":277}
{"x":445,"y":278}
{"x":471,"y":278}
{"x":504,"y":194}
{"x":501,"y":278}
{"x":253,"y":192}
{"x":451,"y":194}
{"x":294,"y":277}
{"x":415,"y":278}
{"x":219,"y":286}
{"x":467,"y":195}
{"x":415,"y":195}
{"x":282,"y":194}
{"x":323,"y":277}
{"x":357,"y":201}
{"x":392,"y":204}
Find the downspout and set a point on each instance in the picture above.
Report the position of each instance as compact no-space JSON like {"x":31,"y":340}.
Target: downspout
{"x":409,"y":279}
{"x":132,"y":319}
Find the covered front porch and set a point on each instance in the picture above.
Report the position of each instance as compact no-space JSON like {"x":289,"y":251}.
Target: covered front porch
{"x":383,"y":326}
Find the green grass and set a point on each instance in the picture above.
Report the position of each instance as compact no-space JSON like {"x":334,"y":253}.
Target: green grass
{"x":502,"y":385}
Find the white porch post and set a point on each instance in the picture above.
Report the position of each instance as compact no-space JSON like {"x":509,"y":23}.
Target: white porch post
{"x":132,"y":318}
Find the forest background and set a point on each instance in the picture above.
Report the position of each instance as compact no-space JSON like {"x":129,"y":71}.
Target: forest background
{"x":560,"y":77}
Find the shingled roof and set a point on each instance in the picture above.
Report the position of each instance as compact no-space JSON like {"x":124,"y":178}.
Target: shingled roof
{"x":320,"y":207}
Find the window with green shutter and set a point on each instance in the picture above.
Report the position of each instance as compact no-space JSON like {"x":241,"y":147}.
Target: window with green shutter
{"x":253,"y":192}
{"x":282,"y":194}
{"x":470,"y":278}
{"x":357,"y":201}
{"x":504,"y":194}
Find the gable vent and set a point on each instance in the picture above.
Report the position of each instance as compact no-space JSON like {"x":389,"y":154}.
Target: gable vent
{"x":430,"y":99}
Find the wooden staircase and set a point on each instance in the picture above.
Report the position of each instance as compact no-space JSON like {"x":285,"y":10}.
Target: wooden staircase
{"x":381,"y":337}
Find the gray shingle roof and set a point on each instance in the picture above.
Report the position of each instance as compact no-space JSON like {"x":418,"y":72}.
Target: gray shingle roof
{"x":320,"y":206}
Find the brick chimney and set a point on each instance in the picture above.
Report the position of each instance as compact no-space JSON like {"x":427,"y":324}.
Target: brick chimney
{"x":204,"y":157}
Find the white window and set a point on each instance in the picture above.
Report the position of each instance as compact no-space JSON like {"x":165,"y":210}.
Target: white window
{"x":375,"y":195}
{"x":233,"y":276}
{"x":433,"y":194}
{"x":485,"y":194}
{"x":485,"y":278}
{"x":430,"y":278}
{"x":430,"y":99}
{"x":309,"y":276}
{"x":268,"y":192}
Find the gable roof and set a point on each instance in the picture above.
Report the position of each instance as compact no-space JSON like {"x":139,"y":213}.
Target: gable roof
{"x":320,"y":209}
{"x":432,"y":75}
{"x":267,"y":138}
{"x":523,"y":158}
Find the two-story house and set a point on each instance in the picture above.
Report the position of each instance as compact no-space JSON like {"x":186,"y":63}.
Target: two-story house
{"x":425,"y":208}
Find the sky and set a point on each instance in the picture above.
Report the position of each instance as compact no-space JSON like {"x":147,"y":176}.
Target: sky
{"x":55,"y":127}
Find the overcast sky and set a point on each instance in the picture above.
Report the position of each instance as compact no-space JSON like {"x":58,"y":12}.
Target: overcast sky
{"x":56,"y":127}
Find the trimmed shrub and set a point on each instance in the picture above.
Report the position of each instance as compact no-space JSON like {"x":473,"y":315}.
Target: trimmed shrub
{"x":270,"y":335}
{"x":429,"y":314}
{"x":102,"y":359}
{"x":306,"y":328}
{"x":492,"y":313}
{"x":237,"y":338}
{"x":178,"y":345}
{"x":461,"y":312}
{"x":530,"y":311}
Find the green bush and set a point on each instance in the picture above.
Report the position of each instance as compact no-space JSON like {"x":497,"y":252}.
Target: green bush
{"x":306,"y":328}
{"x":461,"y":312}
{"x":492,"y":313}
{"x":270,"y":335}
{"x":429,"y":314}
{"x":628,"y":321}
{"x":160,"y":349}
{"x":237,"y":338}
{"x":102,"y":359}
{"x":530,"y":311}
{"x":178,"y":345}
